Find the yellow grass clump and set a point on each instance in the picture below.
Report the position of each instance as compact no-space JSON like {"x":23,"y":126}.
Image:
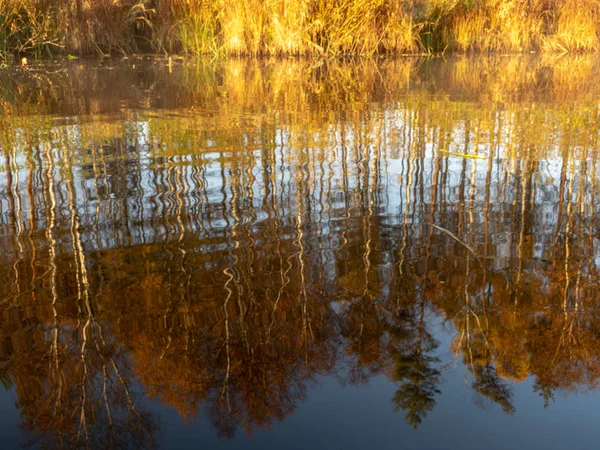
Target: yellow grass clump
{"x":297,"y":27}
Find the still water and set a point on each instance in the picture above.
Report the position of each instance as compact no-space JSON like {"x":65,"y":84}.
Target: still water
{"x":372,"y":254}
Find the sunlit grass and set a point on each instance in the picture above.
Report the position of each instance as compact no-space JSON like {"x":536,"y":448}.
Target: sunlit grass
{"x":298,"y":27}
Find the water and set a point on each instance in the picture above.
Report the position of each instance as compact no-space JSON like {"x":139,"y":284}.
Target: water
{"x":289,"y":254}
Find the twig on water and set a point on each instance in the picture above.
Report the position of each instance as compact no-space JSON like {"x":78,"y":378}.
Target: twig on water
{"x":453,"y":236}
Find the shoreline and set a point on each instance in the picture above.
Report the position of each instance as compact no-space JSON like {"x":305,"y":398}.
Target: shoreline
{"x":178,"y":58}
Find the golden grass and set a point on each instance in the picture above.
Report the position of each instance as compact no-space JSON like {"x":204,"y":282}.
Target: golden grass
{"x":83,"y":26}
{"x":577,"y":27}
{"x":298,"y":27}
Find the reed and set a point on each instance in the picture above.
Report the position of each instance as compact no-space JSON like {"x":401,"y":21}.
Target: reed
{"x":328,"y":28}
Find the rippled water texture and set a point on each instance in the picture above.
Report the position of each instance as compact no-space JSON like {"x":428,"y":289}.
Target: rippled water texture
{"x":292,"y":255}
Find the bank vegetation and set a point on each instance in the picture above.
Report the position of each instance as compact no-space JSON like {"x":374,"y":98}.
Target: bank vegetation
{"x":296,"y":27}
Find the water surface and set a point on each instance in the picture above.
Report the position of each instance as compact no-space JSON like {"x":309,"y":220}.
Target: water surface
{"x":284,"y":254}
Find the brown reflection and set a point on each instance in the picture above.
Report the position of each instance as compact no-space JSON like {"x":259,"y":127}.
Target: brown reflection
{"x":225,"y":251}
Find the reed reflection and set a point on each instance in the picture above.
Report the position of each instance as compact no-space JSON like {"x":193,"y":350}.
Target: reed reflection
{"x":225,"y":259}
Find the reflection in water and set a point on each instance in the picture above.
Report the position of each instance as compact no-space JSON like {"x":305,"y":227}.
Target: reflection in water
{"x":220,"y":237}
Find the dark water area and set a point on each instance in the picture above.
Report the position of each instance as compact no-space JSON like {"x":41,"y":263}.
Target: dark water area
{"x":290,"y":254}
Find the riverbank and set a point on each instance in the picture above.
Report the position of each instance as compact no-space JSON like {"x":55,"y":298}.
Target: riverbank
{"x":296,"y":27}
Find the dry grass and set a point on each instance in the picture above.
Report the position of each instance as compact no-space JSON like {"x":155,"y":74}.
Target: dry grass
{"x":577,"y":27}
{"x":298,"y":27}
{"x":27,"y":26}
{"x":75,"y":26}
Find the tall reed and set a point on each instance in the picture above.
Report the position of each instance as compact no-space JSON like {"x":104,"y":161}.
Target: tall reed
{"x":298,"y":27}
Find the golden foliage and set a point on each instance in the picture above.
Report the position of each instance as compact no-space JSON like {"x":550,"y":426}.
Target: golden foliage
{"x":298,"y":27}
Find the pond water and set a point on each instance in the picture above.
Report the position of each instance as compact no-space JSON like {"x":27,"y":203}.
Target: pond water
{"x":292,"y":254}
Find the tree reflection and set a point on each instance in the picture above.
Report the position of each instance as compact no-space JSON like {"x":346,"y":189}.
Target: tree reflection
{"x":488,"y":384}
{"x":415,"y":370}
{"x":79,"y":392}
{"x":225,"y":261}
